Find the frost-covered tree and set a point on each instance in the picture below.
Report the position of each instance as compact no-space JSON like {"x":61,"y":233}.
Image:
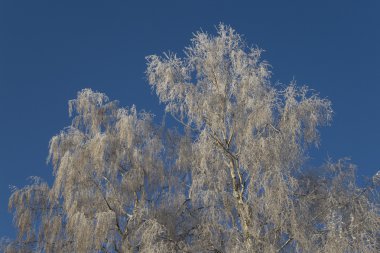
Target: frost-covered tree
{"x":232,"y":178}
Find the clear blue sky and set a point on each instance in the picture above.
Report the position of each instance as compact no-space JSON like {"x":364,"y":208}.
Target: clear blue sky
{"x":49,"y":50}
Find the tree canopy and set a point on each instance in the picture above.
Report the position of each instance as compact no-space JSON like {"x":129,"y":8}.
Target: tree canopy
{"x":231,"y":177}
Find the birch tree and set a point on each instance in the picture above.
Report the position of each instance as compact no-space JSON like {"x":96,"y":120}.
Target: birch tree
{"x":233,"y":178}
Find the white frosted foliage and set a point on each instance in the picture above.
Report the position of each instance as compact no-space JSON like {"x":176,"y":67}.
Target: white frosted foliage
{"x":232,"y":176}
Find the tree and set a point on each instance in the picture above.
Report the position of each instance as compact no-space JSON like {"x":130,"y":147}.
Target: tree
{"x":231,"y":178}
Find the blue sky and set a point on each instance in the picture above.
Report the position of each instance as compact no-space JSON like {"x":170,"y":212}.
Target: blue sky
{"x":49,"y":50}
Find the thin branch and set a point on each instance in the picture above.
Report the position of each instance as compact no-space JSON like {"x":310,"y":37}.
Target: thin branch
{"x":285,"y":244}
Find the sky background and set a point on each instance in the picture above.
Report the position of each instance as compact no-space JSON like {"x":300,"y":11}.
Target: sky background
{"x":49,"y":50}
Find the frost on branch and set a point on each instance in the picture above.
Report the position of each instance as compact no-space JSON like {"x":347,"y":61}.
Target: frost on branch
{"x":251,"y":144}
{"x":110,"y":177}
{"x":233,"y":178}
